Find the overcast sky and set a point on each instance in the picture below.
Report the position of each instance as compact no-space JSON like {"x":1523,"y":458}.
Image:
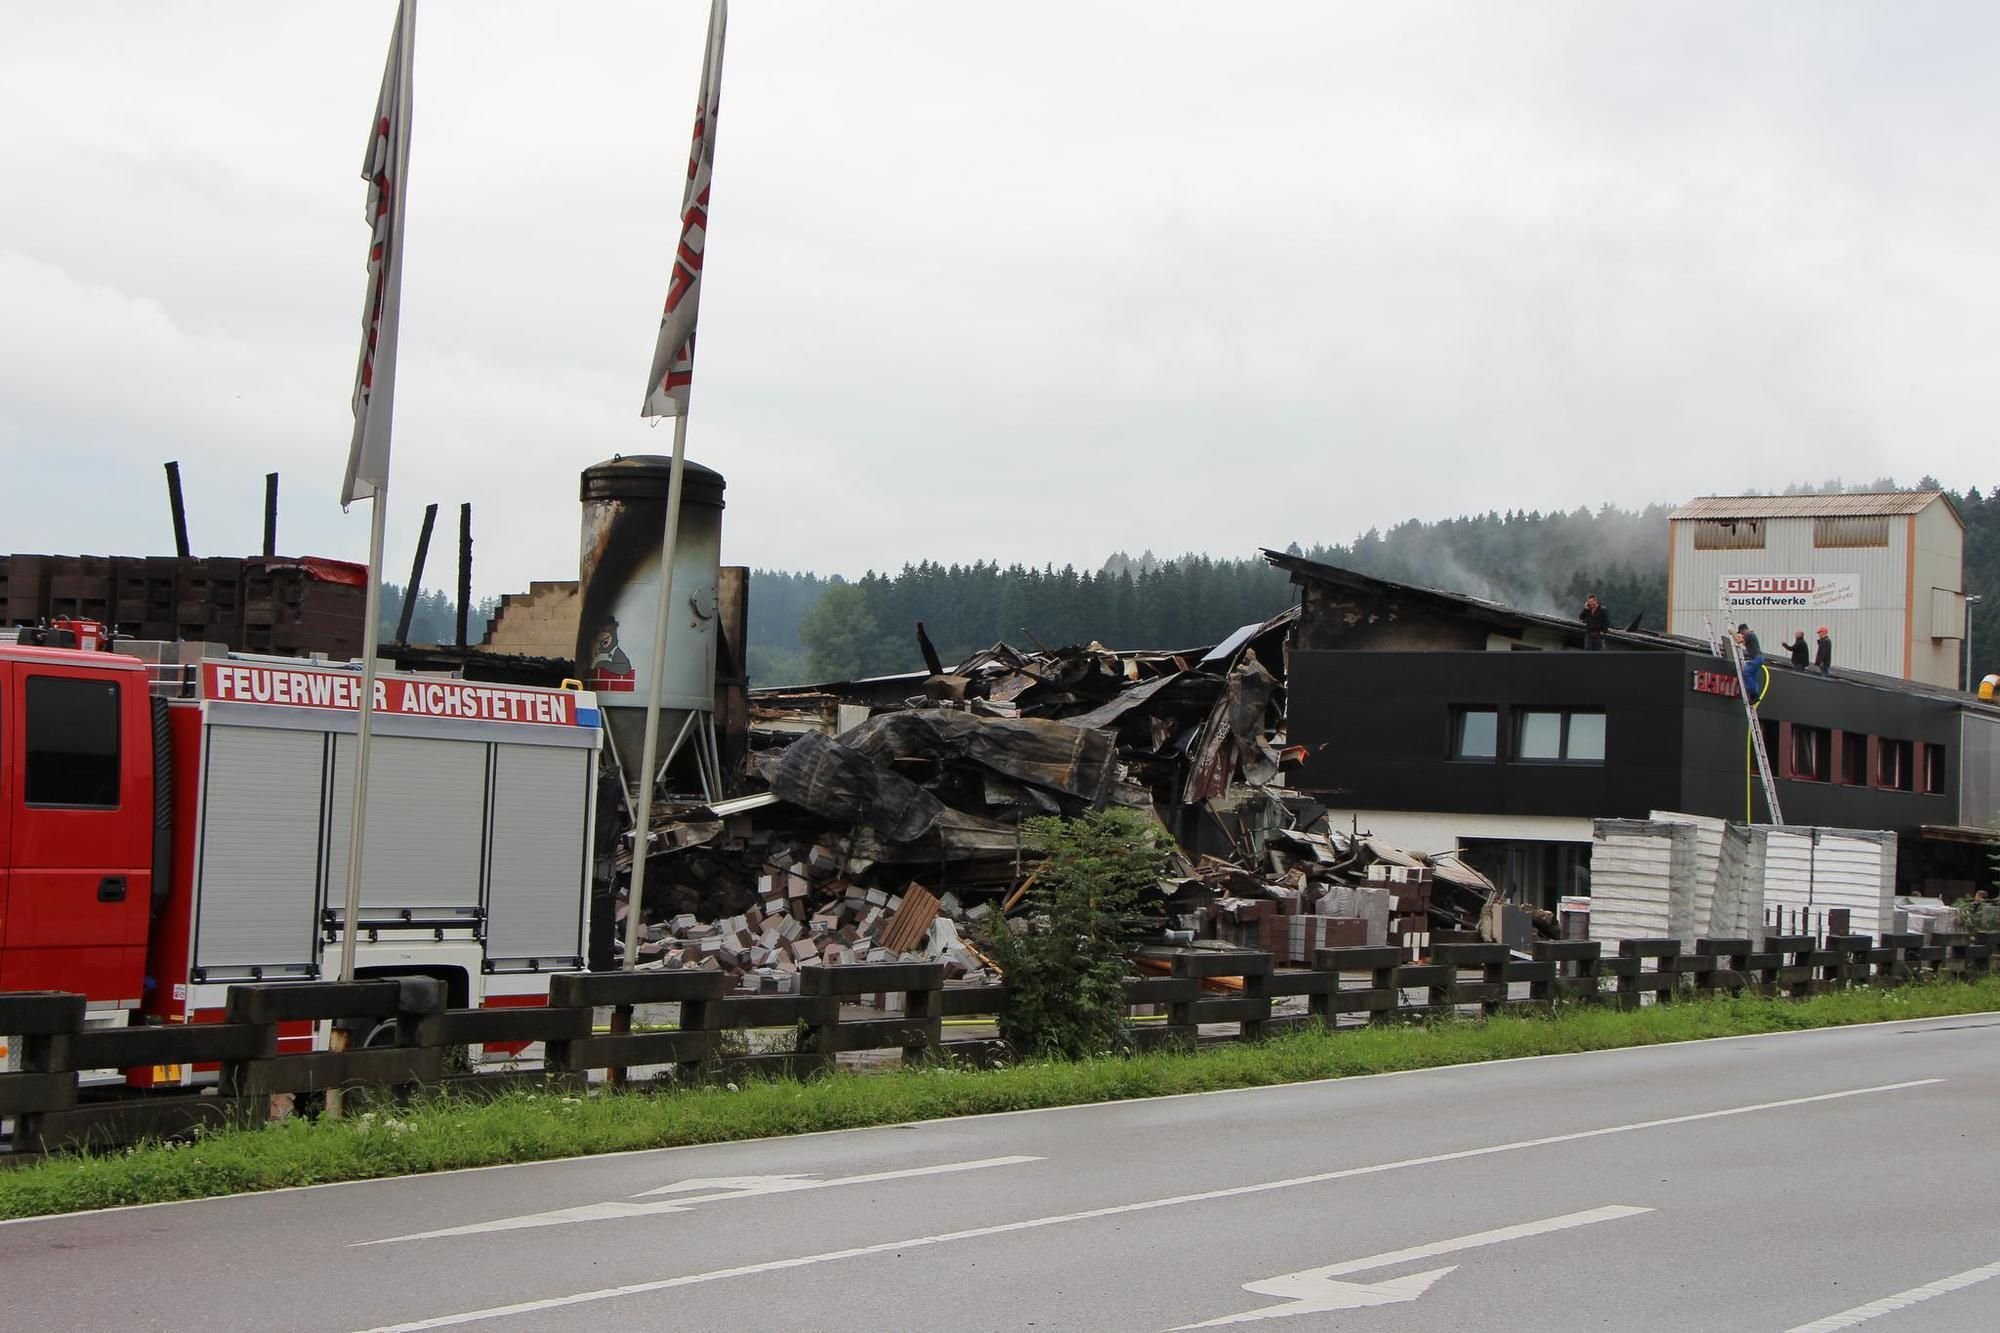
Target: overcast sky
{"x":1034,"y":281}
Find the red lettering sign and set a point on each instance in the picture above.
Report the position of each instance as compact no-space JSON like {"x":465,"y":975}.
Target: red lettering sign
{"x":404,"y":696}
{"x":1723,"y":683}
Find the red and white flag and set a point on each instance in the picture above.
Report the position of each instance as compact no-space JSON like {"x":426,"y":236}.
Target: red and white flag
{"x":673,"y":354}
{"x":385,"y":167}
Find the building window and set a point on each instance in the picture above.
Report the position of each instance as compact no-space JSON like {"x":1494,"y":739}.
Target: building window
{"x":1893,"y":766}
{"x":1809,"y":758}
{"x":1847,"y":531}
{"x":1475,"y":733}
{"x":72,"y":735}
{"x":1854,"y":758}
{"x":1729,"y":534}
{"x":1934,"y":769}
{"x":1539,"y":736}
{"x":1584,"y":743}
{"x":1550,"y":736}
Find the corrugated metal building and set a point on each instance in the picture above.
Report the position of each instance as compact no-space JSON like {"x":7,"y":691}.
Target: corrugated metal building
{"x":1883,"y":571}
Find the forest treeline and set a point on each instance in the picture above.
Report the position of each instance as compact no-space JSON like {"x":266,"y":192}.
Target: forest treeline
{"x":809,"y":627}
{"x":435,"y":619}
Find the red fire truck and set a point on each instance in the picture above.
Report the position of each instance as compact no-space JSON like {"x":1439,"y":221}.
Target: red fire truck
{"x":166,"y":830}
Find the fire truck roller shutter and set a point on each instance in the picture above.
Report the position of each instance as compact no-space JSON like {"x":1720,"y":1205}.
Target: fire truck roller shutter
{"x":538,"y":863}
{"x":426,"y":826}
{"x":259,"y":867}
{"x":163,"y":806}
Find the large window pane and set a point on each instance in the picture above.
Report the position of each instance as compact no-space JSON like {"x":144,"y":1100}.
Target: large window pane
{"x":1541,"y":736}
{"x":72,"y":735}
{"x":1586,"y":738}
{"x":1475,"y":733}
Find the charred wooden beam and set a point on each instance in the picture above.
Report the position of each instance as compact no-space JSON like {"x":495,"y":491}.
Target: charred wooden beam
{"x":464,"y":568}
{"x":179,"y":510}
{"x":416,"y":582}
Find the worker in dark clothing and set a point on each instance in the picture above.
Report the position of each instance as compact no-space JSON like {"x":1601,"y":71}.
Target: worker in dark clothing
{"x":1823,"y":656}
{"x":1753,"y":662}
{"x":1801,"y":654}
{"x":1596,"y":621}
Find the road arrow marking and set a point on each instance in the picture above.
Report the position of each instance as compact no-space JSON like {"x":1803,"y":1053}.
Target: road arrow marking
{"x":737,"y":1185}
{"x":648,"y":1288}
{"x":1317,"y":1290}
{"x":684,"y":1195}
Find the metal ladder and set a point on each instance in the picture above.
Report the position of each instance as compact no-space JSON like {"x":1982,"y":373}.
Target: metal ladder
{"x":1756,"y":728}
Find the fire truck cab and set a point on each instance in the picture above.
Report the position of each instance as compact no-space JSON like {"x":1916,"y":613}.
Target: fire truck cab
{"x":166,"y":831}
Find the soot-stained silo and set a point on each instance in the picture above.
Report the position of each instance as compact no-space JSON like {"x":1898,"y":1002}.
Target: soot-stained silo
{"x":624,"y":514}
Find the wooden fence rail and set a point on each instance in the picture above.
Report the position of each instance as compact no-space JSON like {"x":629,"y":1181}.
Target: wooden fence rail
{"x":57,"y":1096}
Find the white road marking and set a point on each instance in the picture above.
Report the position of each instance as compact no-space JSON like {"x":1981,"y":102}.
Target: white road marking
{"x":1117,"y":1210}
{"x":678,"y":1201}
{"x":1315,"y":1290}
{"x":1902,"y":1300}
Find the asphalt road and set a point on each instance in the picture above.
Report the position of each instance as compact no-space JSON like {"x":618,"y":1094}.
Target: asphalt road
{"x":1819,"y":1180}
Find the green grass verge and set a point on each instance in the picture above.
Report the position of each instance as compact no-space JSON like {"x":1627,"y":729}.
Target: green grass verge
{"x":441,"y":1133}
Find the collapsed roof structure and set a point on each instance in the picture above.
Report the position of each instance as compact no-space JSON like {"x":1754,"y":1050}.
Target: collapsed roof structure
{"x":903,"y":799}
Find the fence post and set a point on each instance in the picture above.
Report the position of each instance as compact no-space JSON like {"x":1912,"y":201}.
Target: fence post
{"x":46,"y":1025}
{"x":1490,"y":991}
{"x":1790,"y":970}
{"x":1892,"y":959}
{"x":1979,"y":955}
{"x":1629,"y":965}
{"x":922,"y":1007}
{"x":697,"y":1015}
{"x":1849,"y":963}
{"x":1379,"y":1000}
{"x":241,"y":1006}
{"x":1732,"y":964}
{"x":1578,"y":965}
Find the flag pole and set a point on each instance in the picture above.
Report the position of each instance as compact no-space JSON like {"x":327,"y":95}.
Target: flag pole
{"x":642,"y":826}
{"x":385,"y":166}
{"x":371,"y":636}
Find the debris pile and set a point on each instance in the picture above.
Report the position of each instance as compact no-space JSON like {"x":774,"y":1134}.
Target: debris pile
{"x":890,"y":814}
{"x":804,"y":911}
{"x":1324,"y":890}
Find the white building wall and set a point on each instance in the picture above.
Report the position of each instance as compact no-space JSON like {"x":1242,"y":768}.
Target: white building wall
{"x":1421,"y":831}
{"x":1886,"y":634}
{"x":1938,"y":589}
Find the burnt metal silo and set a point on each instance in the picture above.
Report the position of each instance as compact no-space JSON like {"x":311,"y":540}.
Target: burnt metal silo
{"x":624,"y":517}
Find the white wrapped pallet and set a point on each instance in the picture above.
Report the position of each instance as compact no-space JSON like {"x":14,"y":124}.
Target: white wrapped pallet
{"x":1638,"y":869}
{"x":1813,"y":871}
{"x":1705,"y":872}
{"x":1738,"y":909}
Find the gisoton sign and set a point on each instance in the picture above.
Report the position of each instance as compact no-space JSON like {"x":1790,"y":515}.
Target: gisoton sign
{"x":1805,"y":592}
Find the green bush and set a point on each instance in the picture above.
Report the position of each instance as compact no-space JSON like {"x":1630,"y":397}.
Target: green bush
{"x":1977,"y":914}
{"x":1065,"y":971}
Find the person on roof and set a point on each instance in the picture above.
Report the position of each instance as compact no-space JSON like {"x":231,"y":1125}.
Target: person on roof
{"x":1801,"y":654}
{"x":1823,"y":657}
{"x":1596,"y":623}
{"x":1753,"y":662}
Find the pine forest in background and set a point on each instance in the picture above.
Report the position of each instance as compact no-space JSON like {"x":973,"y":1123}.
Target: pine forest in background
{"x":435,"y":619}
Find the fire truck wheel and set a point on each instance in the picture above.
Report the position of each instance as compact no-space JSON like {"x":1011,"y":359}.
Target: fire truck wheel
{"x":382,"y":1034}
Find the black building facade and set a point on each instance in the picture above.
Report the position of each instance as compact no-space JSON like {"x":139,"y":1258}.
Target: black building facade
{"x":1612,"y":735}
{"x":1457,"y":717}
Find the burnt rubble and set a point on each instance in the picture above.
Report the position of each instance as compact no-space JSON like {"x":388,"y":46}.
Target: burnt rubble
{"x":888,"y":817}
